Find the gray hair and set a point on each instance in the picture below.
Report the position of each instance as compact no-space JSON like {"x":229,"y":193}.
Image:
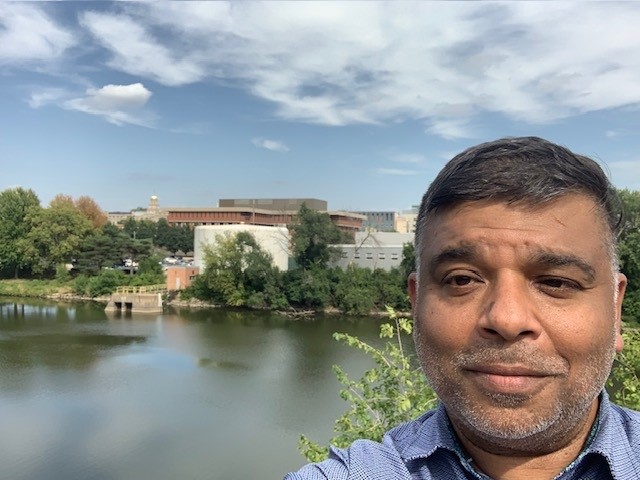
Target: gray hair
{"x":519,"y":170}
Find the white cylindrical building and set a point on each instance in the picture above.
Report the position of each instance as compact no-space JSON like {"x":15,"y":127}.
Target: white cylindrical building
{"x":274,"y":240}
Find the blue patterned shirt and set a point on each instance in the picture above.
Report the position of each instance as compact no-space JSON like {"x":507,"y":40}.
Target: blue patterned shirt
{"x":426,"y":448}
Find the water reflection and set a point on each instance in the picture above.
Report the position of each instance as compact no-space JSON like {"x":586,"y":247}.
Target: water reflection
{"x":184,"y":394}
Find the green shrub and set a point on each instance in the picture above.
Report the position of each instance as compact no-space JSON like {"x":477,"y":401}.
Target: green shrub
{"x":392,"y":392}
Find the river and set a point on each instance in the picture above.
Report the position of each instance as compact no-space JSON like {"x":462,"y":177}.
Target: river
{"x":205,"y":394}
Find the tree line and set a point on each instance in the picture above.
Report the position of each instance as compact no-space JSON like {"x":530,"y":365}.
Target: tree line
{"x":239,"y":273}
{"x":39,"y":242}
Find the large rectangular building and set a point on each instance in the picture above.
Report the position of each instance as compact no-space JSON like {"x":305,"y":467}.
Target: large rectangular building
{"x":253,"y":212}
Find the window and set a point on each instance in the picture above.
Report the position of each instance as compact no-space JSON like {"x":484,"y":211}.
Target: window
{"x":369,"y":255}
{"x":381,"y":256}
{"x":356,"y":255}
{"x":394,"y":256}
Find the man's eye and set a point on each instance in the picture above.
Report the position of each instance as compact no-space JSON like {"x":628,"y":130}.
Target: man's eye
{"x":555,"y":283}
{"x":459,"y":280}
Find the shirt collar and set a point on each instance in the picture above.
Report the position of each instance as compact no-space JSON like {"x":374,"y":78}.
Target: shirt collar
{"x":612,"y":441}
{"x":608,"y":438}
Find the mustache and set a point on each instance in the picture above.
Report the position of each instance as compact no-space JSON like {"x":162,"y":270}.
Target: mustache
{"x":515,"y":355}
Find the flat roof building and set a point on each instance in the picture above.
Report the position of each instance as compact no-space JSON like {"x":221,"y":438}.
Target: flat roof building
{"x":253,"y":212}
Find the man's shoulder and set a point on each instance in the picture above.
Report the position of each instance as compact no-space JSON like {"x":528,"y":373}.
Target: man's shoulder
{"x":628,"y":419}
{"x":365,"y":459}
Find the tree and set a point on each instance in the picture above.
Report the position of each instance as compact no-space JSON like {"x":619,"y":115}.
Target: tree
{"x":15,"y":205}
{"x":392,"y":392}
{"x":312,"y":233}
{"x":185,"y":239}
{"x":54,"y":235}
{"x":408,"y":263}
{"x":355,"y":294}
{"x":103,"y":249}
{"x":629,"y":253}
{"x":308,"y":288}
{"x":137,"y":251}
{"x":138,"y":229}
{"x":90,"y":209}
{"x":238,"y":272}
{"x":164,"y":235}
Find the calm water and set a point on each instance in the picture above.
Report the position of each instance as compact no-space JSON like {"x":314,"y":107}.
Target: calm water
{"x":191,"y":395}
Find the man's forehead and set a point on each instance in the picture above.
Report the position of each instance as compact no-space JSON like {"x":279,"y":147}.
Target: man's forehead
{"x":587,"y":206}
{"x":570,"y":218}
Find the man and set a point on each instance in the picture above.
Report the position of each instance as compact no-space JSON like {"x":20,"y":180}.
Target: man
{"x":517,"y":303}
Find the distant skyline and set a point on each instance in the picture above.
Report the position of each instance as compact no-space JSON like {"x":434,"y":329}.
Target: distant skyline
{"x":356,"y":103}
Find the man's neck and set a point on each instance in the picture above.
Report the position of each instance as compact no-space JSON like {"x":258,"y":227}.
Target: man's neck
{"x":523,"y":465}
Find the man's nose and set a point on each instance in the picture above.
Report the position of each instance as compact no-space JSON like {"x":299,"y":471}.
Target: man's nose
{"x":509,"y":309}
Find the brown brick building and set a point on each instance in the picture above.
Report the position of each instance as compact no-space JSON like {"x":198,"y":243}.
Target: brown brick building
{"x":268,"y":212}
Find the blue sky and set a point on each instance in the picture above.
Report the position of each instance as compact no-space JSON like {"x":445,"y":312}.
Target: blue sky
{"x":356,"y":103}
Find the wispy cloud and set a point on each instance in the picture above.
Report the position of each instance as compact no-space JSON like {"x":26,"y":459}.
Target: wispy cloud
{"x":344,"y":63}
{"x":28,"y":34}
{"x":273,"y":145}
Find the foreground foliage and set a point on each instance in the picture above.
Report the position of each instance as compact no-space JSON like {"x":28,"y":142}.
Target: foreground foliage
{"x":394,"y":391}
{"x":624,"y":381}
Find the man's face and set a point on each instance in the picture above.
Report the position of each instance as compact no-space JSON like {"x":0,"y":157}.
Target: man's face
{"x":517,"y":313}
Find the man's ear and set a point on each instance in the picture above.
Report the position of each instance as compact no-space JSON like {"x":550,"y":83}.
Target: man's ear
{"x":412,"y":287}
{"x":621,"y":286}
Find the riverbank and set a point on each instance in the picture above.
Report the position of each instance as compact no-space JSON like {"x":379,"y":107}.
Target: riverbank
{"x":63,"y":292}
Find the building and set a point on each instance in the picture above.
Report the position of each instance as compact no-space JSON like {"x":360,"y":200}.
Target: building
{"x":278,"y":204}
{"x":374,"y":250}
{"x":379,"y":221}
{"x":153,"y":212}
{"x":264,"y":212}
{"x":406,"y":222}
{"x":179,"y":277}
{"x":274,"y":240}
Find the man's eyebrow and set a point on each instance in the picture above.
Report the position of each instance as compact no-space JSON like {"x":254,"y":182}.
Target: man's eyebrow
{"x":452,"y":254}
{"x":553,"y":259}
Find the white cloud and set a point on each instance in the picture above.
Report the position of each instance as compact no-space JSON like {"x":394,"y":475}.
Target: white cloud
{"x":46,"y":96}
{"x":339,"y":63}
{"x":114,"y":103}
{"x":273,"y":145}
{"x":28,"y":34}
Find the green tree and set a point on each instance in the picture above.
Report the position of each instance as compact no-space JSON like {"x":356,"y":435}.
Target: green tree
{"x":356,"y":293}
{"x":163,"y":236}
{"x":624,"y":381}
{"x":15,"y":204}
{"x":98,"y":251}
{"x":392,"y":392}
{"x":185,"y":239}
{"x":391,"y":289}
{"x":238,"y":272}
{"x":308,"y":288}
{"x":312,"y":234}
{"x":629,"y":253}
{"x":137,"y":250}
{"x":408,"y":263}
{"x":139,"y":229}
{"x":54,"y":235}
